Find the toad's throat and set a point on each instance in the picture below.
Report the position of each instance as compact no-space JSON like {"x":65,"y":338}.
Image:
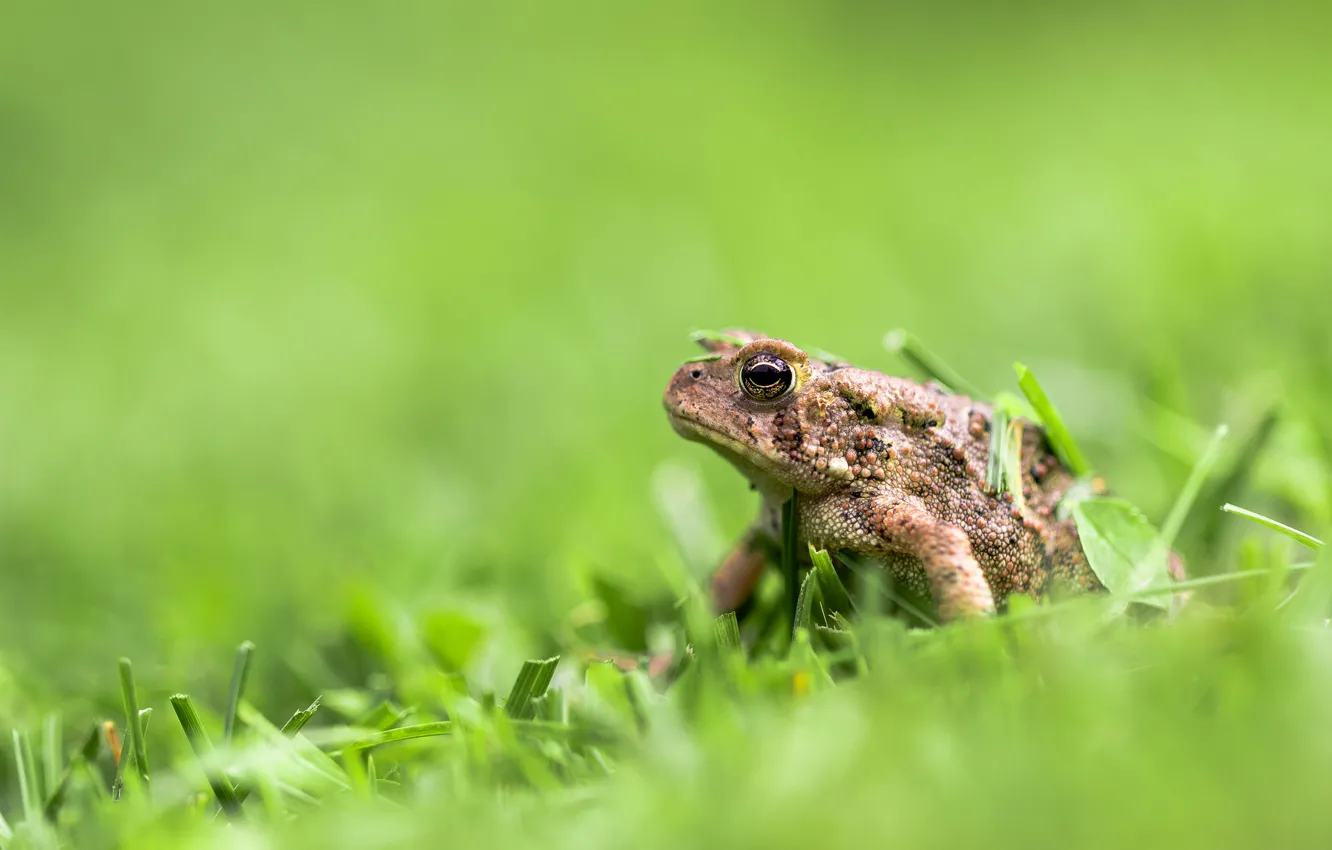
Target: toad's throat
{"x":749,"y":458}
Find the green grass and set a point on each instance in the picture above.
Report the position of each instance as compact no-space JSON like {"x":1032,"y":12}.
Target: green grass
{"x":1053,"y":706}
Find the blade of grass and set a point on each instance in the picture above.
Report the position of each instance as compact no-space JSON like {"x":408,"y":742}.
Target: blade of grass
{"x":51,"y":746}
{"x":1230,"y":484}
{"x":1060,"y":439}
{"x":583,"y":734}
{"x":133,"y":728}
{"x":301,"y":750}
{"x":203,"y":749}
{"x":1313,"y":596}
{"x":1210,"y":581}
{"x":1197,"y":477}
{"x":240,"y":672}
{"x":30,"y":791}
{"x":383,"y":716}
{"x":86,"y":753}
{"x":805,"y":605}
{"x":532,"y":681}
{"x":906,"y":346}
{"x":353,"y":764}
{"x":1293,"y":533}
{"x":728,"y":631}
{"x":790,"y":533}
{"x":834,"y":592}
{"x":1013,"y":463}
{"x":1047,"y":610}
{"x":996,"y":479}
{"x":404,"y":733}
{"x":717,"y":336}
{"x":298,"y":720}
{"x":826,"y":356}
{"x":869,"y":569}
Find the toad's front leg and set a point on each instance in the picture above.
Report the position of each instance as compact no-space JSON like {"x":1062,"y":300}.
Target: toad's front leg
{"x":733,"y":582}
{"x":890,"y":525}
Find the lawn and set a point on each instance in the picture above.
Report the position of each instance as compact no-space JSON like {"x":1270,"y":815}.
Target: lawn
{"x":343,"y":330}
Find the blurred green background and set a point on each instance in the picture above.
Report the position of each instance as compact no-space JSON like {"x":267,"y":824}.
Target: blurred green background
{"x":304,"y":298}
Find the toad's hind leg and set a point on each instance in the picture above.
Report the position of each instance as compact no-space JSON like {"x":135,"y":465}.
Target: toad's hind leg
{"x":891,"y":525}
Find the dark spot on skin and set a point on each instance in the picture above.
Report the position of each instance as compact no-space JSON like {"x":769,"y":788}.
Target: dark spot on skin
{"x":862,"y":408}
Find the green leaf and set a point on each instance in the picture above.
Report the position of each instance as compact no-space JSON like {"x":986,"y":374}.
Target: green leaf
{"x":452,"y":638}
{"x":1058,"y":434}
{"x":1120,"y":544}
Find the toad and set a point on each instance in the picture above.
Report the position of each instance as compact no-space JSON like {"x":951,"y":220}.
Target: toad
{"x":885,"y":468}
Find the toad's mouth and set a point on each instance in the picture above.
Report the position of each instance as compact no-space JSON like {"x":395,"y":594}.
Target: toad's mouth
{"x":748,"y":456}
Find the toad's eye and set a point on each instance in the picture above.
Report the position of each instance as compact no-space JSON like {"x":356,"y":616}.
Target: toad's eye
{"x":765,"y":377}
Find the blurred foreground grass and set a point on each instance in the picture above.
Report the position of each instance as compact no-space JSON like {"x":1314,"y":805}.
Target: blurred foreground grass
{"x":1054,"y":725}
{"x":320,"y":323}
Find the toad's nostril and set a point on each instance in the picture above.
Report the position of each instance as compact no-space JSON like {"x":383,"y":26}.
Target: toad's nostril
{"x":696,"y":373}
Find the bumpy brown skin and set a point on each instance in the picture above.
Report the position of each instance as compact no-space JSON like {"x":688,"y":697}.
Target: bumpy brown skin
{"x":885,"y":468}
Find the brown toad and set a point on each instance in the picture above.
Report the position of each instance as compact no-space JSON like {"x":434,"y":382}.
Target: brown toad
{"x":884,"y":467}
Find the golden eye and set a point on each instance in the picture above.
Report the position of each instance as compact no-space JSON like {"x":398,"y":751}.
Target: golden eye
{"x":765,"y":377}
